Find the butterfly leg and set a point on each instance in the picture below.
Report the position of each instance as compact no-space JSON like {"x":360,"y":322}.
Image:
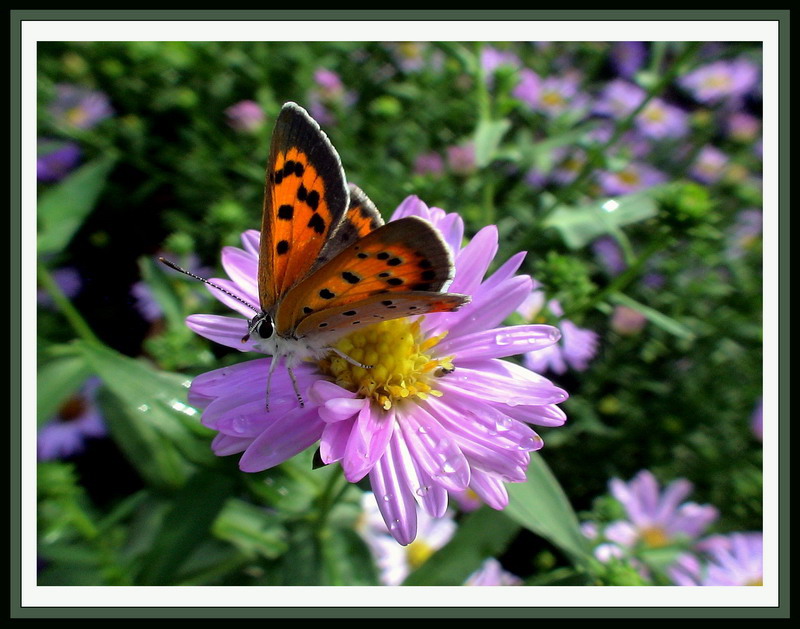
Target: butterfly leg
{"x":275,"y":361}
{"x":296,"y":388}
{"x":352,"y":361}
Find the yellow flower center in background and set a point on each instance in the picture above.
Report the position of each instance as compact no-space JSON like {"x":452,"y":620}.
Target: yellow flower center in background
{"x":418,"y":552}
{"x":400,"y":360}
{"x":655,"y":538}
{"x":553,"y":99}
{"x":76,"y":116}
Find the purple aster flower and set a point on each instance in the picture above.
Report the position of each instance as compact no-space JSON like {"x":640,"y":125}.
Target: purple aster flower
{"x":68,"y":280}
{"x":757,"y":420}
{"x":492,"y":59}
{"x":745,"y":232}
{"x":710,"y":165}
{"x":439,"y":411}
{"x":527,"y":90}
{"x":328,"y":95}
{"x":461,"y":158}
{"x":659,"y":120}
{"x":429,"y":164}
{"x":628,"y":57}
{"x":395,"y":562}
{"x":736,"y":559}
{"x":492,"y":573}
{"x":79,"y":107}
{"x":743,"y":127}
{"x":721,"y":80}
{"x":655,"y":518}
{"x":576,"y":347}
{"x":619,"y":98}
{"x":609,"y":254}
{"x":56,"y":159}
{"x":554,"y":95}
{"x":634,"y":177}
{"x":246,"y":116}
{"x":569,"y":164}
{"x":78,"y":419}
{"x":626,"y":321}
{"x":467,"y":500}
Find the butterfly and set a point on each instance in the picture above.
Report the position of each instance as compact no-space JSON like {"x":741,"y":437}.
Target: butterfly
{"x":328,"y":264}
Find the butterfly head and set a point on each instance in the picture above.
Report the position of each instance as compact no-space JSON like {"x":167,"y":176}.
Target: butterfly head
{"x":261,"y":326}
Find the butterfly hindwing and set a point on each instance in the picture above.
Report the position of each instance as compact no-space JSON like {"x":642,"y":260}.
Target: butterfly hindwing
{"x":361,"y":218}
{"x":305,"y":200}
{"x":331,"y":323}
{"x":407,"y":255}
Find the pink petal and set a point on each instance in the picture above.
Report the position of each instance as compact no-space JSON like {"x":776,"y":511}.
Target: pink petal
{"x":490,"y":489}
{"x":435,"y":451}
{"x":368,"y":440}
{"x":500,"y":342}
{"x":242,"y":268}
{"x":545,"y":415}
{"x":225,"y":445}
{"x":395,"y":501}
{"x":231,"y":302}
{"x":431,"y":496}
{"x":333,"y":441}
{"x":226,"y":331}
{"x":251,"y":240}
{"x":473,"y":261}
{"x":287,"y":436}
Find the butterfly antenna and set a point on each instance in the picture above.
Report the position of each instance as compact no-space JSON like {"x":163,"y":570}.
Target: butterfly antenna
{"x":350,"y":360}
{"x":172,"y":265}
{"x":296,"y":388}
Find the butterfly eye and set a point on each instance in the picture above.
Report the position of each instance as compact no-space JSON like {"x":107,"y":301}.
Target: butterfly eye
{"x":264,"y":328}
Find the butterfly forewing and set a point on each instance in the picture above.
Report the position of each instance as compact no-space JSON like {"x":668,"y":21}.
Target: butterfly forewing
{"x":407,"y":255}
{"x":305,"y":200}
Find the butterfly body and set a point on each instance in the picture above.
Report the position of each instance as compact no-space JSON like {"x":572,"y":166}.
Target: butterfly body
{"x":328,"y":264}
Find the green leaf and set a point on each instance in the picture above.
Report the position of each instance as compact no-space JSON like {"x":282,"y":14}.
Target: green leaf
{"x":56,"y":381}
{"x":668,"y":324}
{"x":185,"y":526}
{"x":149,"y":417}
{"x":482,"y":534}
{"x":346,"y":558}
{"x":488,"y":135}
{"x":540,"y":505}
{"x":253,"y":530}
{"x":63,"y":208}
{"x":579,"y":225}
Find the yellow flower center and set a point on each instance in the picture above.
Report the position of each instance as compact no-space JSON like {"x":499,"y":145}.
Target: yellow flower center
{"x":553,"y":99}
{"x":756,"y":581}
{"x":418,"y":553}
{"x":654,"y":113}
{"x":76,"y":116}
{"x":400,"y":362}
{"x":717,"y":81}
{"x":629,"y":177}
{"x":655,"y":538}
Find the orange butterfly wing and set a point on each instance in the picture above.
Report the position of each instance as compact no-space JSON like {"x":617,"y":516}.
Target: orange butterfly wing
{"x":404,"y":256}
{"x":305,"y":200}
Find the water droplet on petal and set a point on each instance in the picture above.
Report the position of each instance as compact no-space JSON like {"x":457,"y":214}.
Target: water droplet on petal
{"x":422,"y":491}
{"x":503,"y":423}
{"x":387,"y":497}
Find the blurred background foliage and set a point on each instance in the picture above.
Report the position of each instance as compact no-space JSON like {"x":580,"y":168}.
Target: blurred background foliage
{"x":145,"y":148}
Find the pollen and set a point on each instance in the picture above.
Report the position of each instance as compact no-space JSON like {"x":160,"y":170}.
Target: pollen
{"x":401,"y":360}
{"x":654,"y":537}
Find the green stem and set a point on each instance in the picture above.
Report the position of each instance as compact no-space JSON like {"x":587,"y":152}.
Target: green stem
{"x":328,"y":499}
{"x":77,"y":322}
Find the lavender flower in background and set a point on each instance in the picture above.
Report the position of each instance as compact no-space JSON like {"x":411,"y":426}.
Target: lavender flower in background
{"x":619,"y":99}
{"x":78,"y":419}
{"x":418,"y":422}
{"x":744,"y":233}
{"x":246,"y":116}
{"x":626,"y":321}
{"x":634,"y":177}
{"x":461,"y":159}
{"x":492,"y":59}
{"x":710,"y":165}
{"x":575,"y":349}
{"x":660,"y":120}
{"x":69,"y":282}
{"x":492,"y":573}
{"x":79,"y":107}
{"x":528,"y":88}
{"x":628,"y":57}
{"x":657,"y":518}
{"x":395,"y":562}
{"x":555,"y":95}
{"x":55,"y":160}
{"x":414,"y":56}
{"x":328,"y":96}
{"x":569,"y":164}
{"x":721,"y":80}
{"x":757,"y":420}
{"x":732,"y":560}
{"x":429,"y":164}
{"x":609,"y":254}
{"x":742,"y":127}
